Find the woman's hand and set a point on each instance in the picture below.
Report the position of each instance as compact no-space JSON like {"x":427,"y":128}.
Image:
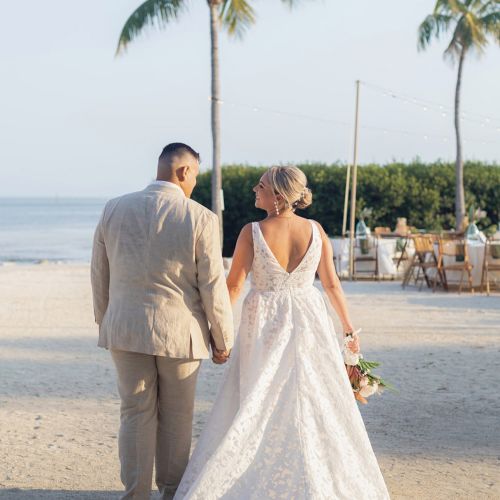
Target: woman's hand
{"x":220,"y":357}
{"x":353,"y":345}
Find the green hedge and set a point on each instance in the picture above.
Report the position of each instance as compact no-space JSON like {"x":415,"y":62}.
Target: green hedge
{"x":423,"y":193}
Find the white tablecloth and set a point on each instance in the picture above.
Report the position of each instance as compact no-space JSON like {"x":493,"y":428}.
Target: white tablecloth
{"x":386,"y":254}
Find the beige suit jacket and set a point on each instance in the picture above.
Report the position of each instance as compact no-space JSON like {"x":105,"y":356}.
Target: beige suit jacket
{"x":158,"y":278}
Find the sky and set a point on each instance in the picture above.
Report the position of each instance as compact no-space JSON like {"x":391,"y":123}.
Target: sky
{"x":77,"y":121}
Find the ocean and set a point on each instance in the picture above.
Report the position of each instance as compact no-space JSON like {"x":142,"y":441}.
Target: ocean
{"x":48,"y":229}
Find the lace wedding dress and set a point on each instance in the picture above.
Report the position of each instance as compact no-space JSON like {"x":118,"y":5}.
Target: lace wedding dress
{"x":285,"y":423}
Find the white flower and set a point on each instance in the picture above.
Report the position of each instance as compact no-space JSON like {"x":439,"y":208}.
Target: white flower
{"x":347,"y":339}
{"x":369,"y":390}
{"x":350,"y":358}
{"x":363,"y":382}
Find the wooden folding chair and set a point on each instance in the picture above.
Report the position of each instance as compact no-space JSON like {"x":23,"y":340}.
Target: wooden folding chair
{"x":366,"y":250}
{"x":454,"y":250}
{"x":451,"y":235}
{"x":423,"y":260}
{"x":491,"y":262}
{"x":401,"y":254}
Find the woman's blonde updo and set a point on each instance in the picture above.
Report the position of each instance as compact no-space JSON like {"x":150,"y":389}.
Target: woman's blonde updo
{"x":291,"y":183}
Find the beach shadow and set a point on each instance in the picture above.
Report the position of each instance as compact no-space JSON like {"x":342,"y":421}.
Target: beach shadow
{"x":357,"y":288}
{"x":54,"y":367}
{"x":37,"y":494}
{"x":452,"y":300}
{"x":444,"y":406}
{"x":72,"y":368}
{"x":70,"y":344}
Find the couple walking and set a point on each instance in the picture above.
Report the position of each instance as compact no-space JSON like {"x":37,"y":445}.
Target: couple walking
{"x":285,"y":423}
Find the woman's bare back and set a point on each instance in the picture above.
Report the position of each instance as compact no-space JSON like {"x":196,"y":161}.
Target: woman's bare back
{"x":288,"y":238}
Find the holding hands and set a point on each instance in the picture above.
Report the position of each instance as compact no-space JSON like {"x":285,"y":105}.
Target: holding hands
{"x":219,"y":357}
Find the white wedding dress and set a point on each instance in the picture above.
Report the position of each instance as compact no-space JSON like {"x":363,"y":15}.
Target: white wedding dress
{"x":285,"y":423}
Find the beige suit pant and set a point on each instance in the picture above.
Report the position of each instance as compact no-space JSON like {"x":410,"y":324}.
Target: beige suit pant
{"x":157,"y":401}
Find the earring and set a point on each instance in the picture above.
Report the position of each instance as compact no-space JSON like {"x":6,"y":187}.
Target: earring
{"x":276,"y":208}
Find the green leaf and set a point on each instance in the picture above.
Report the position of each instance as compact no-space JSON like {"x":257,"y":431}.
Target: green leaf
{"x":152,"y":13}
{"x":237,"y":16}
{"x":473,"y":22}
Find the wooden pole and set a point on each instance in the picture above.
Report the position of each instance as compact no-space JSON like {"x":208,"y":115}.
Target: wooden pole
{"x":346,"y":199}
{"x":215,"y":113}
{"x":354,"y":185}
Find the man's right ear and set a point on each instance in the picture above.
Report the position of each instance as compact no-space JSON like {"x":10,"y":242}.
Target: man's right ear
{"x":182,"y":173}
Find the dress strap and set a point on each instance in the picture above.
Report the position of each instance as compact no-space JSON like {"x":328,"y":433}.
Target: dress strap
{"x":315,"y":231}
{"x":255,"y":234}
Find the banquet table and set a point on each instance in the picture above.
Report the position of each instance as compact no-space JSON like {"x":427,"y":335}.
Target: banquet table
{"x":386,"y":255}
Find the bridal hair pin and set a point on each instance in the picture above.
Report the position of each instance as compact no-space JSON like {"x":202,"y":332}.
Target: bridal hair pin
{"x":295,"y":204}
{"x":303,"y":193}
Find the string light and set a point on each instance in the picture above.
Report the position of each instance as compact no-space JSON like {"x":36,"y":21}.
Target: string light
{"x":373,"y":128}
{"x":425,"y":105}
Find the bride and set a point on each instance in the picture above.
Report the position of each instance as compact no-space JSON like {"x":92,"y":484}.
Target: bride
{"x":285,"y":423}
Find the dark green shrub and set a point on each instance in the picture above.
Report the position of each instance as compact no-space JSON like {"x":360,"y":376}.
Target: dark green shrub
{"x":423,"y":193}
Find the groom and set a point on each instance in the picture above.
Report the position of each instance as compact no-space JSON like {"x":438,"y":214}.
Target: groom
{"x":160,"y":299}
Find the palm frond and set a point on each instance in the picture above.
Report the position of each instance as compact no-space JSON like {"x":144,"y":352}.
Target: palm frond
{"x":460,"y":6}
{"x":151,"y":13}
{"x":468,"y":35}
{"x":459,"y":40}
{"x":446,"y":7}
{"x":474,"y":20}
{"x":432,"y":26}
{"x":491,"y":25}
{"x":477,"y":5}
{"x":237,"y":16}
{"x":478,"y":37}
{"x":483,"y":8}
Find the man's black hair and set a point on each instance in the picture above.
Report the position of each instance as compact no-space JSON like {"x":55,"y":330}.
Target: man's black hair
{"x":178,"y":149}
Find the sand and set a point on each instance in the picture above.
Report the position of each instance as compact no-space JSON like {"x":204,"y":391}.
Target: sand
{"x":439,"y":437}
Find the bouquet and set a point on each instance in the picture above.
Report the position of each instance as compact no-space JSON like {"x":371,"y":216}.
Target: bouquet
{"x":363,"y":382}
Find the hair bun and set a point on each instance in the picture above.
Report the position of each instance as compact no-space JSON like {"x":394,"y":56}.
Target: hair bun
{"x":305,"y":199}
{"x":291,"y":184}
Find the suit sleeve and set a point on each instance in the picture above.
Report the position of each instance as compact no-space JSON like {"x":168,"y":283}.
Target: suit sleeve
{"x":99,"y":274}
{"x":212,"y":284}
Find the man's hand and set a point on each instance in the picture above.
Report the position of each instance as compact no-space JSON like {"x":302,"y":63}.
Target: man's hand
{"x":219,"y":357}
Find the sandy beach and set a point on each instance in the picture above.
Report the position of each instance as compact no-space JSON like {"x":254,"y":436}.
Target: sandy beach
{"x":439,"y":437}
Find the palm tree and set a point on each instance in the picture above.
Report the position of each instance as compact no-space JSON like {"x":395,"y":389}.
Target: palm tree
{"x":473,"y":22}
{"x":236,"y":16}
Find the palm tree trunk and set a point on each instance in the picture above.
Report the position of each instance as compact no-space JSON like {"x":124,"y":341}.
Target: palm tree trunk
{"x":216,"y":167}
{"x":459,"y":165}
